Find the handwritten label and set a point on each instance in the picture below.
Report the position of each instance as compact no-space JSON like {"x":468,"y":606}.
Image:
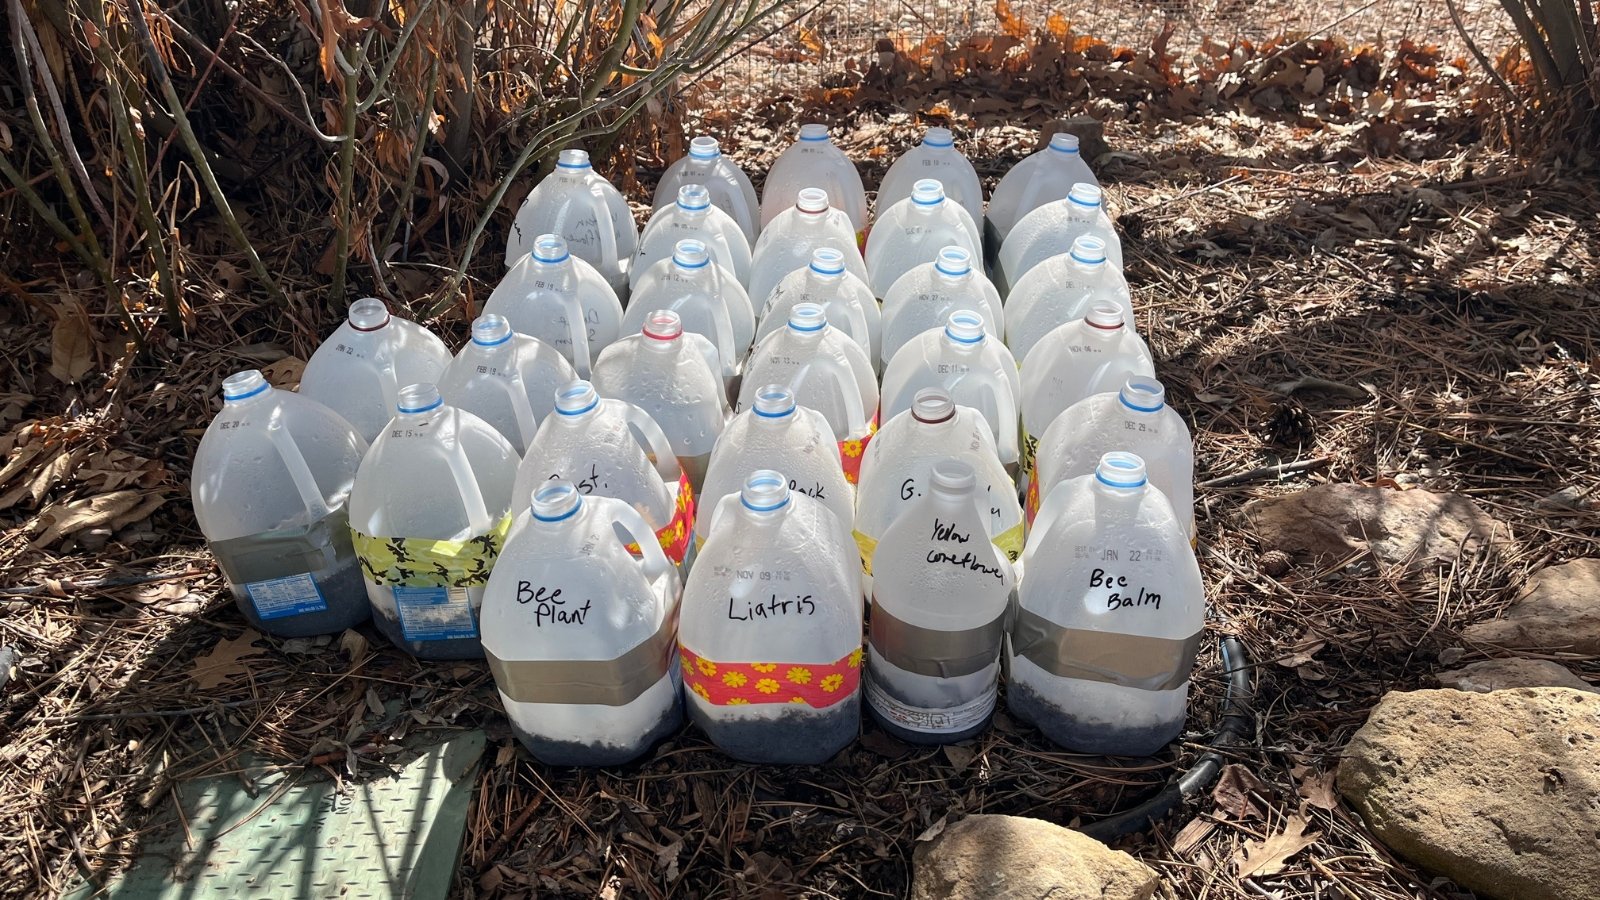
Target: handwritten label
{"x":1123,"y":595}
{"x":550,"y":607}
{"x":770,"y":608}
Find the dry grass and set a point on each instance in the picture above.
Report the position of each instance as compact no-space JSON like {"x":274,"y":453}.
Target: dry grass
{"x":1435,"y":302}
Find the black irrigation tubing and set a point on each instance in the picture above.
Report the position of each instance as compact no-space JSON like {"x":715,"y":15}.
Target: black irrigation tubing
{"x":96,"y":584}
{"x":1238,"y":727}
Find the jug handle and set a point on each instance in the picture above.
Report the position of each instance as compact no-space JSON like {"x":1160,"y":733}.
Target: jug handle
{"x":723,"y":362}
{"x":1050,"y":511}
{"x":628,"y":519}
{"x":845,"y":380}
{"x":518,"y":390}
{"x":577,"y":332}
{"x":653,"y":440}
{"x":466,"y":483}
{"x":1005,"y":414}
{"x":381,"y":365}
{"x":608,"y":234}
{"x":304,"y":482}
{"x":858,"y":325}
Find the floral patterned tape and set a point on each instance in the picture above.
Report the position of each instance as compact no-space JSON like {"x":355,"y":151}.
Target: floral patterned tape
{"x":677,"y":534}
{"x":818,"y":685}
{"x":853,"y":451}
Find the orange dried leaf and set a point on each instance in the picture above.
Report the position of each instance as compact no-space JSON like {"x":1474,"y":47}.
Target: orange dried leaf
{"x":1011,"y":24}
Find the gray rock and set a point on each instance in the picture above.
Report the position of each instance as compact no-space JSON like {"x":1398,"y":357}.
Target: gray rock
{"x":1007,"y":857}
{"x":1559,"y":610}
{"x":1091,"y":133}
{"x":1332,"y":521}
{"x":1502,"y":674}
{"x":1500,"y":792}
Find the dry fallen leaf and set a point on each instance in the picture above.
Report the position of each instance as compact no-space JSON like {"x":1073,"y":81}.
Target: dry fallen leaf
{"x":1269,"y":857}
{"x":71,"y":342}
{"x":225,"y":660}
{"x":1237,"y":791}
{"x":62,"y":519}
{"x":1317,"y":788}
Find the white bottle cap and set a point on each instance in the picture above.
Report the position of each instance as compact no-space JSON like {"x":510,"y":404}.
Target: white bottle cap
{"x":690,"y":254}
{"x":573,"y":159}
{"x":1085,"y":194}
{"x":927,"y":192}
{"x":694,"y":197}
{"x":932,"y":405}
{"x":1105,"y":316}
{"x":765,"y":491}
{"x":812,"y":200}
{"x":953,"y":261}
{"x":663,"y":325}
{"x":1145,"y":395}
{"x":490,"y":330}
{"x":938,"y":136}
{"x":368,"y":314}
{"x":827,"y":261}
{"x":576,"y":398}
{"x":808,"y":317}
{"x":556,"y":500}
{"x":244,"y":385}
{"x":774,"y":402}
{"x":550,"y":249}
{"x":1089,"y":250}
{"x":1124,"y":471}
{"x":704,"y":147}
{"x":965,"y":327}
{"x":418,"y":398}
{"x":1061,"y":142}
{"x":813,"y":131}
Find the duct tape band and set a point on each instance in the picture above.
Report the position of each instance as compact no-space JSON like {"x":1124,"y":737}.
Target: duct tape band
{"x":1135,"y":661}
{"x":934,"y":652}
{"x":588,"y":682}
{"x":425,"y":562}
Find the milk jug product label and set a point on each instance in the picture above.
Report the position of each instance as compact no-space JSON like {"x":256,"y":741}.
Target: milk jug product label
{"x":949,"y":720}
{"x":435,"y":613}
{"x":294,"y":595}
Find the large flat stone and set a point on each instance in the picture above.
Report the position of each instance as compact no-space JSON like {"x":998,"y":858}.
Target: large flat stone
{"x":1331,"y":521}
{"x":1503,"y":674}
{"x":1011,"y":857}
{"x":1559,"y":610}
{"x":1500,"y":792}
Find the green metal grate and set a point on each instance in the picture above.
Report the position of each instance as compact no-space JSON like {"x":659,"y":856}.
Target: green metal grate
{"x":396,"y":836}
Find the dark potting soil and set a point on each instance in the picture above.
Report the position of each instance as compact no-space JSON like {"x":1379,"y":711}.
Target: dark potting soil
{"x":1079,"y":735}
{"x":578,"y":753}
{"x":343,"y":590}
{"x":388,"y":624}
{"x":801,"y":736}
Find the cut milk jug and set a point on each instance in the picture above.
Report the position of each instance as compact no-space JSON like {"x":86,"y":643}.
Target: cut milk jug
{"x":1136,"y":419}
{"x":974,"y":368}
{"x":359,"y":370}
{"x":913,"y":231}
{"x":583,"y":209}
{"x":271,"y":478}
{"x":609,"y":448}
{"x":1046,"y":175}
{"x":580,"y":635}
{"x":561,"y":300}
{"x":939,"y":604}
{"x":729,"y":187}
{"x":826,"y":371}
{"x":672,"y":375}
{"x":899,"y":467}
{"x":429,"y":513}
{"x":846,"y":299}
{"x":788,"y":242}
{"x":1050,"y":230}
{"x":1109,"y":617}
{"x":506,"y":379}
{"x":1086,"y":356}
{"x":773,"y":432}
{"x":1062,"y":289}
{"x":924,"y":298}
{"x":937,"y":158}
{"x":770,"y":636}
{"x":693,"y":217}
{"x":708,"y":301}
{"x":814,"y":162}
